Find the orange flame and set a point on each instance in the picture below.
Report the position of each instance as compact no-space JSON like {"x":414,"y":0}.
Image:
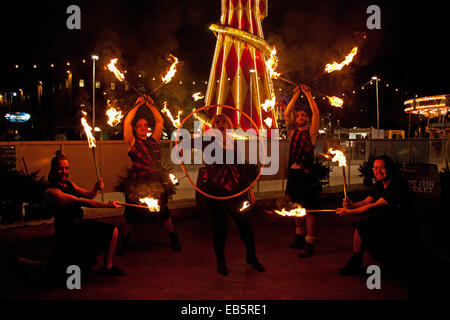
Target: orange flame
{"x":338,"y":157}
{"x":268,"y":122}
{"x":335,"y":101}
{"x":271,"y":64}
{"x":176,"y":122}
{"x":112,"y":67}
{"x":338,"y":66}
{"x":245,"y":205}
{"x":173,"y":178}
{"x":114,"y":116}
{"x":297,"y":212}
{"x":88,"y":131}
{"x":269,"y":103}
{"x":172,"y":70}
{"x":197,"y":96}
{"x":151,"y":203}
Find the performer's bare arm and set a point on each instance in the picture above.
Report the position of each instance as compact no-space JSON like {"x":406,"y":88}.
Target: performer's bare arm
{"x":128,"y":135}
{"x":349,"y":204}
{"x":159,"y":121}
{"x":315,"y":120}
{"x":289,"y":119}
{"x":364,"y":208}
{"x":90,"y":194}
{"x":56,"y":196}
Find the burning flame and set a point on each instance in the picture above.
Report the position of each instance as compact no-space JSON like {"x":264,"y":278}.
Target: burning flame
{"x":271,"y":64}
{"x":245,"y":205}
{"x":151,"y":203}
{"x":88,"y":131}
{"x":338,"y":66}
{"x":268,"y":122}
{"x":338,"y":157}
{"x":297,"y":212}
{"x":335,"y":101}
{"x":173,"y":178}
{"x":169,"y":75}
{"x":197,"y":96}
{"x":269,"y":103}
{"x":114,"y":116}
{"x":112,"y":67}
{"x":176,"y":122}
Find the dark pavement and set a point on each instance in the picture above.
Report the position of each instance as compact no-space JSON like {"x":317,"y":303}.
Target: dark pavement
{"x":155,"y":272}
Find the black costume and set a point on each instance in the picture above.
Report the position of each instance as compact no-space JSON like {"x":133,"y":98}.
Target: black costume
{"x":390,"y":233}
{"x":77,"y":241}
{"x":300,"y":186}
{"x":224,"y":180}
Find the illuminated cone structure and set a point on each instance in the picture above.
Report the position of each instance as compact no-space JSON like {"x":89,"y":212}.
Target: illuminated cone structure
{"x":240,"y":48}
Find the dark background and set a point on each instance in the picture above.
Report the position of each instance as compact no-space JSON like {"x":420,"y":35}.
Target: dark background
{"x":410,"y":51}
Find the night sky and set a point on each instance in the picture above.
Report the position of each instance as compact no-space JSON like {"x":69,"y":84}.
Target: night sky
{"x":410,"y":52}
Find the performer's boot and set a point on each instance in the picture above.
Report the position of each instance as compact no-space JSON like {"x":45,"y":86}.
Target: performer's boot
{"x":174,"y":243}
{"x":353,"y":267}
{"x":299,"y":242}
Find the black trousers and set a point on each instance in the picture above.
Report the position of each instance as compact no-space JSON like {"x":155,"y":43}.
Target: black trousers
{"x":219,"y":211}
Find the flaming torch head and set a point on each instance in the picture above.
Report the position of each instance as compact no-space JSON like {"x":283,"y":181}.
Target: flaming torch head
{"x":338,"y":66}
{"x":335,"y":101}
{"x":297,"y":212}
{"x":172,"y":70}
{"x":271,"y":64}
{"x":197,"y":96}
{"x":338,"y":156}
{"x":175,"y":122}
{"x":173,"y":178}
{"x":151,"y":203}
{"x":268,"y":104}
{"x":245,"y":205}
{"x":88,"y":131}
{"x":112,"y":67}
{"x":114,"y":116}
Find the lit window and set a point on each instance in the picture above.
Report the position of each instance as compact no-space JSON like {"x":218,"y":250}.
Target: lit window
{"x":81,"y":83}
{"x":113,"y":86}
{"x":97,"y":84}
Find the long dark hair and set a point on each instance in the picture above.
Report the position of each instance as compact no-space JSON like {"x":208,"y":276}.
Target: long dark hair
{"x":53,"y":174}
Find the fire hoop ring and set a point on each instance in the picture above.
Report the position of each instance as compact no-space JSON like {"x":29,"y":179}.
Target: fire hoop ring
{"x":185,"y":171}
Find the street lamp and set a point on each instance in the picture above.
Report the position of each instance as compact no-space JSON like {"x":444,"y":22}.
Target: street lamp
{"x":252,"y":71}
{"x":94,"y":57}
{"x":378,"y":106}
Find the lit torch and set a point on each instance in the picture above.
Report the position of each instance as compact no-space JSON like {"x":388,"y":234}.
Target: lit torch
{"x":338,"y":156}
{"x":338,"y":66}
{"x":176,"y":122}
{"x":114,"y":115}
{"x":91,"y":139}
{"x":173,"y":178}
{"x":335,"y":101}
{"x":197,"y":96}
{"x":169,"y":75}
{"x":151,"y":203}
{"x":271,"y":64}
{"x":297,"y":212}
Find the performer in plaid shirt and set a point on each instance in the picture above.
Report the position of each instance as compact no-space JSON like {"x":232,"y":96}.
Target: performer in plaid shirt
{"x":145,"y":155}
{"x":302,"y":134}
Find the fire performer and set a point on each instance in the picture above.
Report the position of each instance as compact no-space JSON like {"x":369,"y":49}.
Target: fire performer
{"x":302,"y":132}
{"x":225,"y":179}
{"x":390,"y":233}
{"x":78,"y":241}
{"x":146,"y":174}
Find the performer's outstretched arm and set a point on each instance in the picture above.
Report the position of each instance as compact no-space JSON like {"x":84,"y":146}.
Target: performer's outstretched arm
{"x":314,"y":129}
{"x":56,"y":196}
{"x":128,"y":135}
{"x":288,"y":113}
{"x":90,"y":194}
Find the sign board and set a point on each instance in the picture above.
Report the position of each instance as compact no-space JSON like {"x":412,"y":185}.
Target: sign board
{"x":8,"y":155}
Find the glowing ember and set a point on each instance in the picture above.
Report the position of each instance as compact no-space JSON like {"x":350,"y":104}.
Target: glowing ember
{"x":338,"y":66}
{"x":338,"y":157}
{"x":151,"y":203}
{"x":268,"y":122}
{"x":176,"y":122}
{"x":245,"y":205}
{"x":197,"y":96}
{"x":112,"y":67}
{"x":269,"y":103}
{"x":271,"y":64}
{"x":297,"y":212}
{"x":88,"y":131}
{"x":173,"y":178}
{"x":335,"y":101}
{"x":169,"y":75}
{"x":114,"y":116}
